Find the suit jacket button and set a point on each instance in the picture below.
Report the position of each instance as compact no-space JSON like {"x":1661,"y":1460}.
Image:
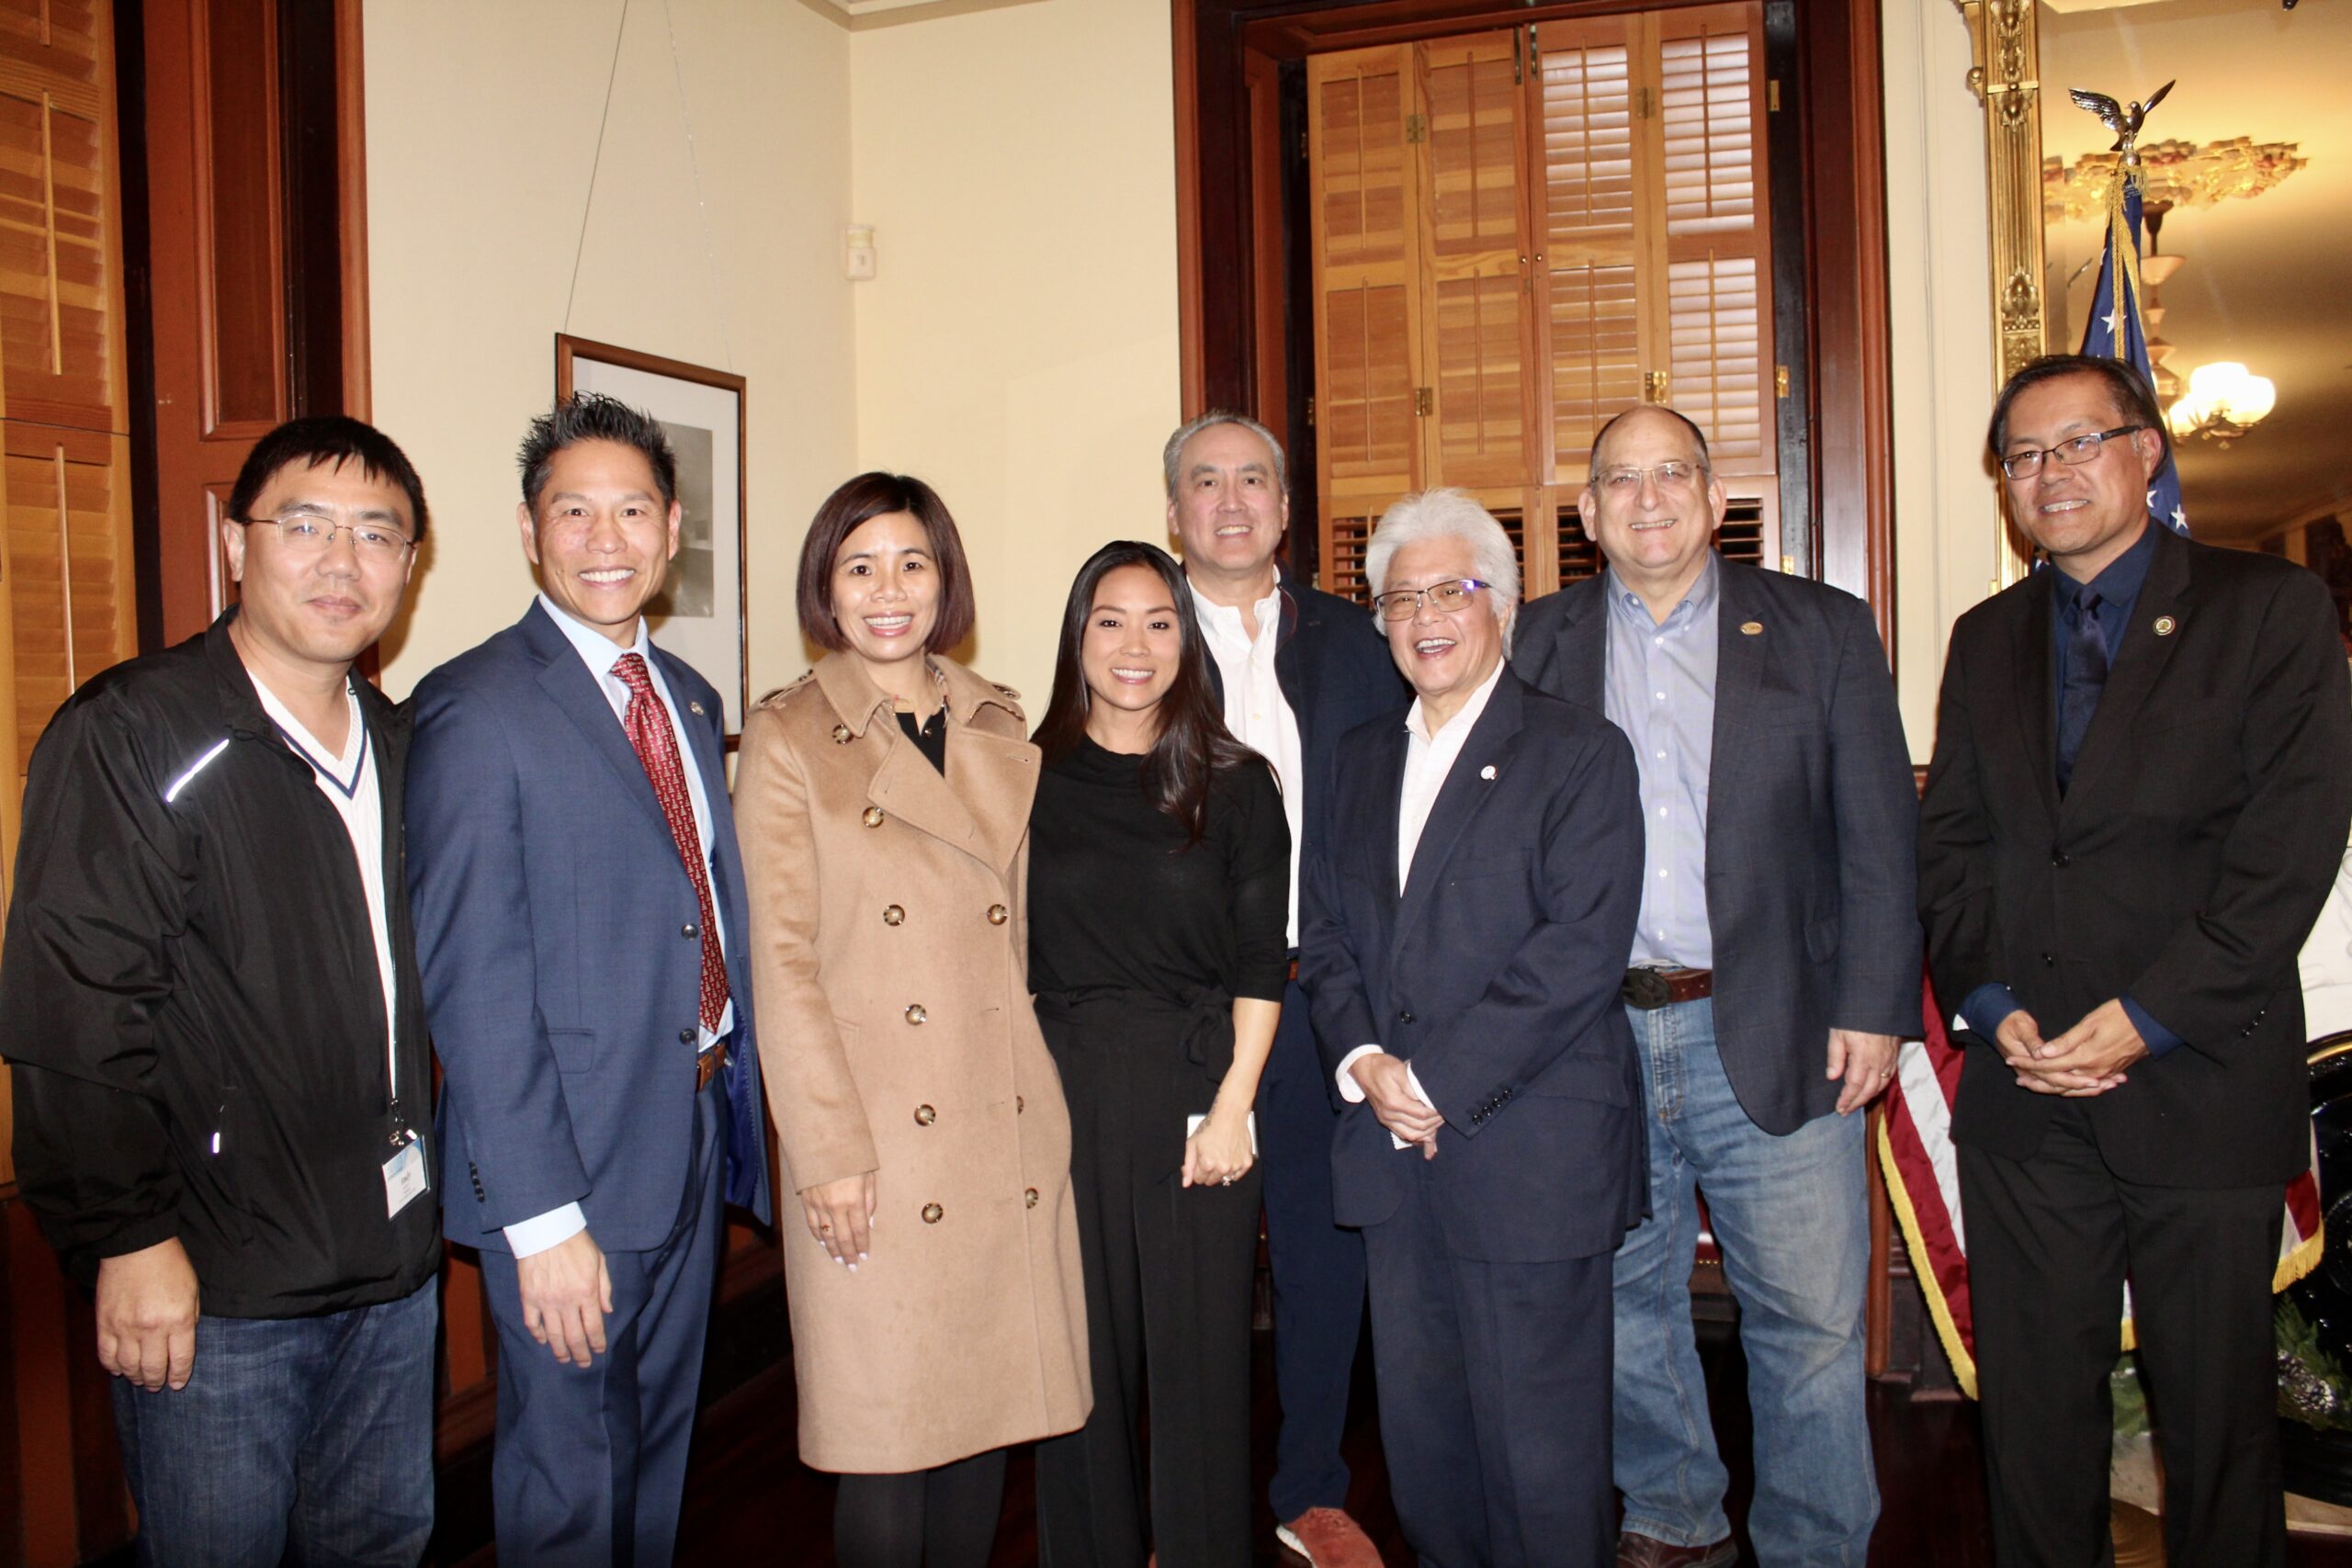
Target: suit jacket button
{"x":873,"y":818}
{"x":690,"y":930}
{"x":1404,"y":1018}
{"x":893,"y":916}
{"x":999,"y":914}
{"x":686,"y":1037}
{"x":2061,"y":859}
{"x":932,"y":1213}
{"x":925,"y":1115}
{"x":915,"y":1013}
{"x":1030,"y":1197}
{"x":2048,"y":962}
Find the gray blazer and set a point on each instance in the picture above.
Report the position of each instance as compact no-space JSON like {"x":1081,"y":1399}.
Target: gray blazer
{"x":1812,"y":824}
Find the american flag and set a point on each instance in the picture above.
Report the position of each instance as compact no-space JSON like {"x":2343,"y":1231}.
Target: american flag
{"x":2118,"y":329}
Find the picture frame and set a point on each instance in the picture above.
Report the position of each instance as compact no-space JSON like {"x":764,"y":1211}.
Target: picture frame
{"x":702,"y":613}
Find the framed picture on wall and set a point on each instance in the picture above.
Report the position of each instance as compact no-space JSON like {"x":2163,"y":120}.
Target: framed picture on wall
{"x":700,"y":614}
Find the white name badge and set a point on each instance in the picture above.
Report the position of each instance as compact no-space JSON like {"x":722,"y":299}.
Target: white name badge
{"x":403,"y":1176}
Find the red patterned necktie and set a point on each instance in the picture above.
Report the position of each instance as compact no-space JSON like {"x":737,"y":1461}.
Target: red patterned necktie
{"x":648,"y":723}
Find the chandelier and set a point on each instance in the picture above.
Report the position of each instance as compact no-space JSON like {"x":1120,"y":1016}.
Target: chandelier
{"x":2223,"y":402}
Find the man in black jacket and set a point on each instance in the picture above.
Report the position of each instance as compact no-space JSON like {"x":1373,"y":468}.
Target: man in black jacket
{"x":210,"y":1004}
{"x":2141,"y":780}
{"x":1296,"y":668}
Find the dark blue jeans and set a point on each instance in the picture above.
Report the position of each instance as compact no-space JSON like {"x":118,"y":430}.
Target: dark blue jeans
{"x":301,"y":1440}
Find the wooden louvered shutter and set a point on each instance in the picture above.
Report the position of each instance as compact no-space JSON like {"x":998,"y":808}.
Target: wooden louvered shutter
{"x":1367,"y":218}
{"x":66,"y":591}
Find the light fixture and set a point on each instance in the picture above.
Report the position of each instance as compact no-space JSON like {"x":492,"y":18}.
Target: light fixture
{"x":2224,"y":401}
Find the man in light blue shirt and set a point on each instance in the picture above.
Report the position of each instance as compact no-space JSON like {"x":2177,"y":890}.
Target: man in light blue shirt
{"x":1775,"y":965}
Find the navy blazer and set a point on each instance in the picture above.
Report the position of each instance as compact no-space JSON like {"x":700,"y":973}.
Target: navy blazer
{"x":1496,"y":975}
{"x":559,"y":937}
{"x":1335,"y":671}
{"x":1812,"y":824}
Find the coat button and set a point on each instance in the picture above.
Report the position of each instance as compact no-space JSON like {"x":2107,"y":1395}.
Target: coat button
{"x":1404,"y":1018}
{"x":873,"y":818}
{"x":932,"y":1212}
{"x":925,"y":1115}
{"x":1019,"y":1105}
{"x":1030,"y":1197}
{"x":893,"y":916}
{"x":2048,"y":962}
{"x":842,"y":737}
{"x":686,"y":1037}
{"x":999,"y":914}
{"x":690,"y":931}
{"x":2061,"y":859}
{"x":915,"y":1013}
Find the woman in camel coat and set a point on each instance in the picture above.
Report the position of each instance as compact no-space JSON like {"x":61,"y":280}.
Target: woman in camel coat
{"x":938,"y":1312}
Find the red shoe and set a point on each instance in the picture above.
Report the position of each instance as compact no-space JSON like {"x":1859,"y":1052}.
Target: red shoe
{"x":1647,"y":1552}
{"x":1326,"y":1538}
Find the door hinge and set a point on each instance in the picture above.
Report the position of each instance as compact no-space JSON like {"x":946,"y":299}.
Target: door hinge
{"x":1424,"y":401}
{"x":1644,"y":104}
{"x":1310,"y":413}
{"x":1773,"y":94}
{"x":1654,"y":385}
{"x":1305,"y":146}
{"x":1780,"y":381}
{"x":1518,"y":58}
{"x":1417,"y":128}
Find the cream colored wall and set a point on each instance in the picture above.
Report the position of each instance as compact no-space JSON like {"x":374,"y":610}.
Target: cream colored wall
{"x":1018,"y":348}
{"x":481,"y":141}
{"x":1947,"y":541}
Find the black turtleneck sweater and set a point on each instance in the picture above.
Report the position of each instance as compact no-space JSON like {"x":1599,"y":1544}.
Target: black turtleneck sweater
{"x":1116,"y":899}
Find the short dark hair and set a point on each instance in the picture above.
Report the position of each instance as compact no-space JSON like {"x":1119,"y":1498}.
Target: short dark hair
{"x":2128,"y":392}
{"x":333,"y":439}
{"x":1593,"y":461}
{"x":594,"y":416}
{"x":858,"y":501}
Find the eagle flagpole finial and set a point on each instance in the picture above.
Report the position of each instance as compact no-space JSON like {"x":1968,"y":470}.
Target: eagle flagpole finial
{"x":2124,"y":122}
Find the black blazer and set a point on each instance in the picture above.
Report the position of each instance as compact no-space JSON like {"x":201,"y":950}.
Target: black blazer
{"x":2185,"y":864}
{"x":1496,"y":975}
{"x":1811,"y":823}
{"x":1335,"y":671}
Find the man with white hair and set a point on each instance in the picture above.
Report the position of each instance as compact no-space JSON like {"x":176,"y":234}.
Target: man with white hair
{"x":1464,"y":933}
{"x":1776,"y":964}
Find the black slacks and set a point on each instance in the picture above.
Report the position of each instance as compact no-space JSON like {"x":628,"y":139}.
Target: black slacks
{"x":2050,"y":1241}
{"x":1495,"y":1382}
{"x":1168,"y":1272}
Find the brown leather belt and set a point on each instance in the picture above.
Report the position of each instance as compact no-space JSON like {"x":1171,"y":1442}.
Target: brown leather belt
{"x":1650,"y":988}
{"x":707,"y":1066}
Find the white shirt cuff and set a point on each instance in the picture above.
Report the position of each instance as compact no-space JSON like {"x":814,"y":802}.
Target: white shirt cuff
{"x":1353,"y":1091}
{"x":541,"y":1232}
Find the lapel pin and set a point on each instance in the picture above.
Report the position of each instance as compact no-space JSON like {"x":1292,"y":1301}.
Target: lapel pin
{"x":694,"y":707}
{"x":1488,"y":771}
{"x":2165,"y":626}
{"x":1751,"y":628}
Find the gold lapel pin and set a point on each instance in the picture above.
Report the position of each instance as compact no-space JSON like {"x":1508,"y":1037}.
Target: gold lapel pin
{"x":695,"y":708}
{"x":1751,"y":628}
{"x":842,"y":736}
{"x":2165,"y":626}
{"x":1488,"y":771}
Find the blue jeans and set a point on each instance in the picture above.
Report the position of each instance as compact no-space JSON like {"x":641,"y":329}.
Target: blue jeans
{"x":306,"y":1440}
{"x":1792,"y":1216}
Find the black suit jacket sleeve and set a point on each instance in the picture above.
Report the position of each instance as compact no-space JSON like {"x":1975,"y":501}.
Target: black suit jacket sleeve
{"x":1551,"y":992}
{"x":2280,"y":857}
{"x":1956,"y":851}
{"x":1876,"y":813}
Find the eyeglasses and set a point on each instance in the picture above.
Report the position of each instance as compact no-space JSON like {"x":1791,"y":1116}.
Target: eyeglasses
{"x":1403,"y":603}
{"x":1628,"y":482}
{"x":2074,"y":453}
{"x":307,"y":535}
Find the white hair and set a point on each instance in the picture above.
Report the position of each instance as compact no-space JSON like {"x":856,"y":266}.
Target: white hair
{"x":1448,"y":514}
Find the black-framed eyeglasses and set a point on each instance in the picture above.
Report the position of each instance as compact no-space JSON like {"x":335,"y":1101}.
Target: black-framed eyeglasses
{"x":1403,"y":603}
{"x":2074,"y":453}
{"x":307,"y":534}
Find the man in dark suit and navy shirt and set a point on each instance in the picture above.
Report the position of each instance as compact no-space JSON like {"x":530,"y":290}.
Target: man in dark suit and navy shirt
{"x":2141,"y":782}
{"x":1296,"y":668}
{"x":1463,"y":937}
{"x":581,"y":925}
{"x":1776,"y":965}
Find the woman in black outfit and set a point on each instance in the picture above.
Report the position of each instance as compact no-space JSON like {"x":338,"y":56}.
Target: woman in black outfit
{"x":1159,"y":892}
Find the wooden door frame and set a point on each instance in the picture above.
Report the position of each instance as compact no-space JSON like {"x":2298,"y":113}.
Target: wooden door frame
{"x":1843,"y":387}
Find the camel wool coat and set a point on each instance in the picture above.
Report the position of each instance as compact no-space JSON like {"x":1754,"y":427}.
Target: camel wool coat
{"x":889,"y":957}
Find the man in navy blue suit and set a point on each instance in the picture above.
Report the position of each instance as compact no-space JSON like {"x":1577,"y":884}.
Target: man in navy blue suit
{"x":1464,"y":938}
{"x":1296,"y":668}
{"x":1776,"y":964}
{"x":581,"y":926}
